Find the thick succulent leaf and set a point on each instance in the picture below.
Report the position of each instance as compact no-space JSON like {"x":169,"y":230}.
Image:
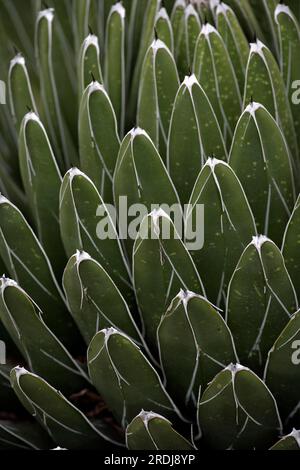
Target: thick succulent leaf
{"x":289,"y":442}
{"x":229,"y":225}
{"x":135,"y":18}
{"x":39,"y":170}
{"x":115,"y":62}
{"x":89,"y":66}
{"x":158,"y":87}
{"x":85,"y":17}
{"x":194,"y":345}
{"x":194,"y":136}
{"x":28,"y":264}
{"x":191,"y":27}
{"x":235,"y":41}
{"x":214,"y":70}
{"x":23,"y":435}
{"x":264,"y":84}
{"x":265,"y":13}
{"x":56,"y":103}
{"x":147,"y":36}
{"x":8,"y":398}
{"x":161,"y":267}
{"x":111,"y":355}
{"x":290,"y":246}
{"x":94,"y":299}
{"x":282,"y":373}
{"x":261,"y":300}
{"x":142,"y":178}
{"x":66,"y":424}
{"x":151,"y":431}
{"x":294,"y":5}
{"x":163,"y":29}
{"x":246,"y":16}
{"x":41,"y":349}
{"x":229,"y":416}
{"x":177,"y":19}
{"x":260,"y":158}
{"x":289,"y":36}
{"x":98,"y":138}
{"x":83,"y":218}
{"x":20,"y":90}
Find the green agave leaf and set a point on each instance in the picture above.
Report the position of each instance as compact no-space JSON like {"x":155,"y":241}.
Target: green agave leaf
{"x":85,"y":18}
{"x":231,"y":419}
{"x":39,"y":170}
{"x":10,"y":188}
{"x":282,"y":372}
{"x":265,"y":13}
{"x":177,"y":18}
{"x":110,"y":358}
{"x":235,"y":41}
{"x":147,"y":36}
{"x":228,"y":227}
{"x":264,"y":84}
{"x":290,"y":246}
{"x":28,"y":264}
{"x":98,"y":138}
{"x":163,"y":29}
{"x":115,"y":62}
{"x":23,"y":436}
{"x":289,"y":442}
{"x":142,"y":178}
{"x":135,"y":19}
{"x":246,"y":16}
{"x":194,"y":345}
{"x":205,"y":11}
{"x":260,"y":158}
{"x":94,"y":299}
{"x":43,"y":352}
{"x":158,"y":87}
{"x":194,"y":135}
{"x":58,"y":102}
{"x":84,"y":223}
{"x":191,"y":27}
{"x":294,"y":6}
{"x":89,"y":66}
{"x":289,"y":36}
{"x":214,"y":70}
{"x":7,"y":394}
{"x":66,"y":424}
{"x":161,"y":266}
{"x":151,"y":431}
{"x":19,"y":89}
{"x":261,"y":300}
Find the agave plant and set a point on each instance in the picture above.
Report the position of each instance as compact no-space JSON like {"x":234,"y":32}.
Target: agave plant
{"x":147,"y":342}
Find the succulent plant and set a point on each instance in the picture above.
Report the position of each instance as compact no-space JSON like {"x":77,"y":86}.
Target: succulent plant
{"x":149,"y":342}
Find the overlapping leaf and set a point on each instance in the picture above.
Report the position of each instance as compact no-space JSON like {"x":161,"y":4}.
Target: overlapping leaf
{"x":230,"y":417}
{"x":227,"y":228}
{"x":194,"y":136}
{"x":110,"y":358}
{"x":260,"y":158}
{"x":98,"y":138}
{"x":66,"y":424}
{"x":161,"y":267}
{"x":261,"y":300}
{"x":151,"y":431}
{"x":158,"y":87}
{"x":194,"y":345}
